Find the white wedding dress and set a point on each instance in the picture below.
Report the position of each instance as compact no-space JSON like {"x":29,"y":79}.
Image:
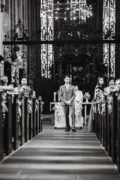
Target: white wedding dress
{"x":78,"y":109}
{"x":60,"y":121}
{"x":59,"y":116}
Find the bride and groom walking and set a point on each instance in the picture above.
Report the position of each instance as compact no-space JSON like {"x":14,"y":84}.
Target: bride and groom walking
{"x":71,"y":99}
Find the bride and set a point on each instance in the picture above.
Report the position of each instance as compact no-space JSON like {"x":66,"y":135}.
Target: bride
{"x":78,"y":107}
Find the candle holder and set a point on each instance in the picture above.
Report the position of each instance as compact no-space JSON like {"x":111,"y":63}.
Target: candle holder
{"x":87,"y":96}
{"x":54,"y":97}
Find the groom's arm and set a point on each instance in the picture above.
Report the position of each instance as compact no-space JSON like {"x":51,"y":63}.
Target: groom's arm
{"x":61,"y":95}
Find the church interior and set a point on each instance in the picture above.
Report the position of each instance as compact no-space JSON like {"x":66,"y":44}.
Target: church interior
{"x":42,"y":42}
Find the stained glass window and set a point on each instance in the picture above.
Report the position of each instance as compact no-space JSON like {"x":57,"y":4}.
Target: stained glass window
{"x":47,"y":34}
{"x":17,"y":56}
{"x":109,"y":19}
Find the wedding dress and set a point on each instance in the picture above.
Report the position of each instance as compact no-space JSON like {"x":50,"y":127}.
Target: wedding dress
{"x":78,"y":109}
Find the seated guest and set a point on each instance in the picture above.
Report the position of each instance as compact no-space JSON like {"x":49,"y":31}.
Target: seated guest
{"x":110,"y":87}
{"x":99,"y":88}
{"x":4,"y":84}
{"x":24,"y":89}
{"x":111,"y":82}
{"x":117,"y":84}
{"x":99,"y":95}
{"x":114,"y":86}
{"x":108,"y":93}
{"x":5,"y":88}
{"x":78,"y":108}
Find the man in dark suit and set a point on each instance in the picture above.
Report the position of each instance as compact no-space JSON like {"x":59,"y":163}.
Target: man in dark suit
{"x":67,"y":95}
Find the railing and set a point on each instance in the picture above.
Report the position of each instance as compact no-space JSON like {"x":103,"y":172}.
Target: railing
{"x":20,"y":121}
{"x":107,"y":126}
{"x":86,"y":110}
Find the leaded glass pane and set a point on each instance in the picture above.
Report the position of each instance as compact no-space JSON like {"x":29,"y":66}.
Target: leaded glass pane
{"x":109,"y":20}
{"x":17,"y":56}
{"x":47,"y":34}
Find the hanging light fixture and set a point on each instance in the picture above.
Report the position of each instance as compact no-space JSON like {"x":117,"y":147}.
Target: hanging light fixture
{"x":70,"y":10}
{"x":73,"y":10}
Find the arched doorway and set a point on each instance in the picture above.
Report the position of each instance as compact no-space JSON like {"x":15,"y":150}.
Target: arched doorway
{"x":80,"y":68}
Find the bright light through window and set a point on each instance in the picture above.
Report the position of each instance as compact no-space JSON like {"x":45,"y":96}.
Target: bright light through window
{"x":109,"y":20}
{"x":47,"y":34}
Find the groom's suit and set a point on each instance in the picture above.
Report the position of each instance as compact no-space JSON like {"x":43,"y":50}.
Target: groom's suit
{"x":68,"y":94}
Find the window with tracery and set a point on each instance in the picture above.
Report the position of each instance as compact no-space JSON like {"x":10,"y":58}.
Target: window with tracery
{"x":109,"y":20}
{"x":79,"y":10}
{"x":17,"y":56}
{"x":47,"y":34}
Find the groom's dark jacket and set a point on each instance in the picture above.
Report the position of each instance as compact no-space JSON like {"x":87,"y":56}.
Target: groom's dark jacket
{"x":67,"y":94}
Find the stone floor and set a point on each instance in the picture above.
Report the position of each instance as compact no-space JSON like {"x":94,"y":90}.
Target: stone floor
{"x":56,"y":154}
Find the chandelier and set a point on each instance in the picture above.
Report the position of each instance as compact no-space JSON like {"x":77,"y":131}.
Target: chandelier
{"x":71,"y":10}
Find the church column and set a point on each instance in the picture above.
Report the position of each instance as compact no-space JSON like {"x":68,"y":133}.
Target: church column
{"x":25,"y":48}
{"x":38,"y":46}
{"x":20,"y":7}
{"x":32,"y":59}
{"x":12,"y":7}
{"x":99,"y":12}
{"x":117,"y":36}
{"x":16,"y":11}
{"x":1,"y":22}
{"x":33,"y":16}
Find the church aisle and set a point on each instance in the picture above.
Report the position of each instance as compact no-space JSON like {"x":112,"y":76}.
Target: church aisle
{"x":56,"y":154}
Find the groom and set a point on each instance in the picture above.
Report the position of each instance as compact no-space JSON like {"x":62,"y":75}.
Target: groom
{"x":67,"y":95}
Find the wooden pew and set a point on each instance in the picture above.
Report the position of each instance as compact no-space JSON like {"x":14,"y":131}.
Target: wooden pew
{"x":110,"y":131}
{"x":1,"y":128}
{"x":18,"y":123}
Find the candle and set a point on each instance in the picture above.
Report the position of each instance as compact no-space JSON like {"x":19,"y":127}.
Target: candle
{"x":0,"y":70}
{"x":59,"y":96}
{"x":54,"y":96}
{"x":34,"y":94}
